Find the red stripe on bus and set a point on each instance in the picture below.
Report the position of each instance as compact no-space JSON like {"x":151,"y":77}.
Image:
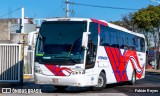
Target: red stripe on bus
{"x":105,"y":24}
{"x":122,"y":65}
{"x":111,"y":58}
{"x":116,"y":64}
{"x":99,"y":28}
{"x":57,"y":70}
{"x":120,"y":61}
{"x":99,"y":22}
{"x":94,"y":20}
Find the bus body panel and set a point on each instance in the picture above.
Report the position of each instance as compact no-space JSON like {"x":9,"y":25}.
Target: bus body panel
{"x":112,"y":64}
{"x":104,"y":62}
{"x":118,"y":64}
{"x":73,"y":79}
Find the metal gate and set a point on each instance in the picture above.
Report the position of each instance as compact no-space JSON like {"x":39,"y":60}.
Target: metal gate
{"x":10,"y":63}
{"x":29,"y":63}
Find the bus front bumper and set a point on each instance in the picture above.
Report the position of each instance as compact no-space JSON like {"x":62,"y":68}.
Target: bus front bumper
{"x":77,"y":80}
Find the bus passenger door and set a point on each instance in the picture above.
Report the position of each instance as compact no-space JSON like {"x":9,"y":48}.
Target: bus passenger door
{"x":91,"y":55}
{"x":92,"y":46}
{"x":91,"y":74}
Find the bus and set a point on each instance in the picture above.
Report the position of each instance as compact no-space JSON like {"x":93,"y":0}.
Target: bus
{"x":87,"y":52}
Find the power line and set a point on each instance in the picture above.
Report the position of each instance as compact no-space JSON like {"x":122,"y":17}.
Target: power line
{"x":98,"y":6}
{"x":68,"y":12}
{"x":57,"y":9}
{"x":10,"y":12}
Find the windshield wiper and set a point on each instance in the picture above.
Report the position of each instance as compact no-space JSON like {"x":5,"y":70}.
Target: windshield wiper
{"x":74,"y":61}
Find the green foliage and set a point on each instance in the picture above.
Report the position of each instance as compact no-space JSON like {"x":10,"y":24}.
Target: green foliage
{"x":148,"y":18}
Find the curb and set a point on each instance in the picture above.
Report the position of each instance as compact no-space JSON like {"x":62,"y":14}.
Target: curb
{"x":27,"y":77}
{"x":152,"y":70}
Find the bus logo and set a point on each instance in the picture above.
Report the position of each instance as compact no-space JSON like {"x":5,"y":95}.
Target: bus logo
{"x":102,"y":57}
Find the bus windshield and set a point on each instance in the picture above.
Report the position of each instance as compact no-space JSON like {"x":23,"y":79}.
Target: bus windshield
{"x":60,"y":41}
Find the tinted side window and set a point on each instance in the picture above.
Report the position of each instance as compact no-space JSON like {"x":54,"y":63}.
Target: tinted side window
{"x":105,"y":36}
{"x":123,"y":40}
{"x":94,"y":32}
{"x":142,"y":45}
{"x":137,"y":43}
{"x":119,"y":39}
{"x":109,"y":37}
{"x":114,"y":38}
{"x":92,"y":46}
{"x":131,"y":42}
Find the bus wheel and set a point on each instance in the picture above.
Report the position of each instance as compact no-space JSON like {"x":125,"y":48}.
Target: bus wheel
{"x":133,"y":79}
{"x":101,"y":82}
{"x":60,"y":87}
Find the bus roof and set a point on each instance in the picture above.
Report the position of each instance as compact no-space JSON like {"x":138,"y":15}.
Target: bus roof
{"x":102,"y":21}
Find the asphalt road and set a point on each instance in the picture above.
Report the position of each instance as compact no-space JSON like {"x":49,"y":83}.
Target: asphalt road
{"x":150,"y":85}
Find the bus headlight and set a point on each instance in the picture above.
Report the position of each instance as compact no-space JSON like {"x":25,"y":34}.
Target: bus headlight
{"x":37,"y":70}
{"x":78,"y":72}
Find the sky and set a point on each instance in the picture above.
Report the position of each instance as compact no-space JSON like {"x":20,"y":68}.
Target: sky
{"x":56,"y":8}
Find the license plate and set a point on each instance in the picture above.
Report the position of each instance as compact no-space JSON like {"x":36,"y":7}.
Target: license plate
{"x":55,"y":80}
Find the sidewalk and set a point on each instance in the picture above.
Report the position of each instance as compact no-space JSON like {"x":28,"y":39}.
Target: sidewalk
{"x":152,"y":70}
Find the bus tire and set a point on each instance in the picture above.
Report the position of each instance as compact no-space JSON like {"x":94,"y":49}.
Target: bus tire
{"x":60,"y":87}
{"x":101,"y":82}
{"x":133,"y":79}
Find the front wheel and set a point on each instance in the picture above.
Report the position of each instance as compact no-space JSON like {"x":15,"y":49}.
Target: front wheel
{"x":133,"y":79}
{"x":101,"y":82}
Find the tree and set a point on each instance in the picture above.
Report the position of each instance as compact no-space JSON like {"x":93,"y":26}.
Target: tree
{"x":126,"y":22}
{"x":148,"y":20}
{"x":145,"y":21}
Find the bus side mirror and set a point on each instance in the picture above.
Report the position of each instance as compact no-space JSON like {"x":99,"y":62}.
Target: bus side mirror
{"x":85,"y":39}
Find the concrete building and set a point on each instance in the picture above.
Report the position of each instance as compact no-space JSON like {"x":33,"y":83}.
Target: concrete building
{"x":10,"y":30}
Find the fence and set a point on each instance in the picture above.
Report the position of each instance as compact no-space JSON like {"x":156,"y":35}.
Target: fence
{"x":10,"y":63}
{"x":29,"y":63}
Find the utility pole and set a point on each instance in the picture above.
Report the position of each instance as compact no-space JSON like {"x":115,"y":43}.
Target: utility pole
{"x":67,"y":8}
{"x":22,"y":30}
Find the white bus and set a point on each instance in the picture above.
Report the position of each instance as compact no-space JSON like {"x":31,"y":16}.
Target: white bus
{"x":87,"y":52}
